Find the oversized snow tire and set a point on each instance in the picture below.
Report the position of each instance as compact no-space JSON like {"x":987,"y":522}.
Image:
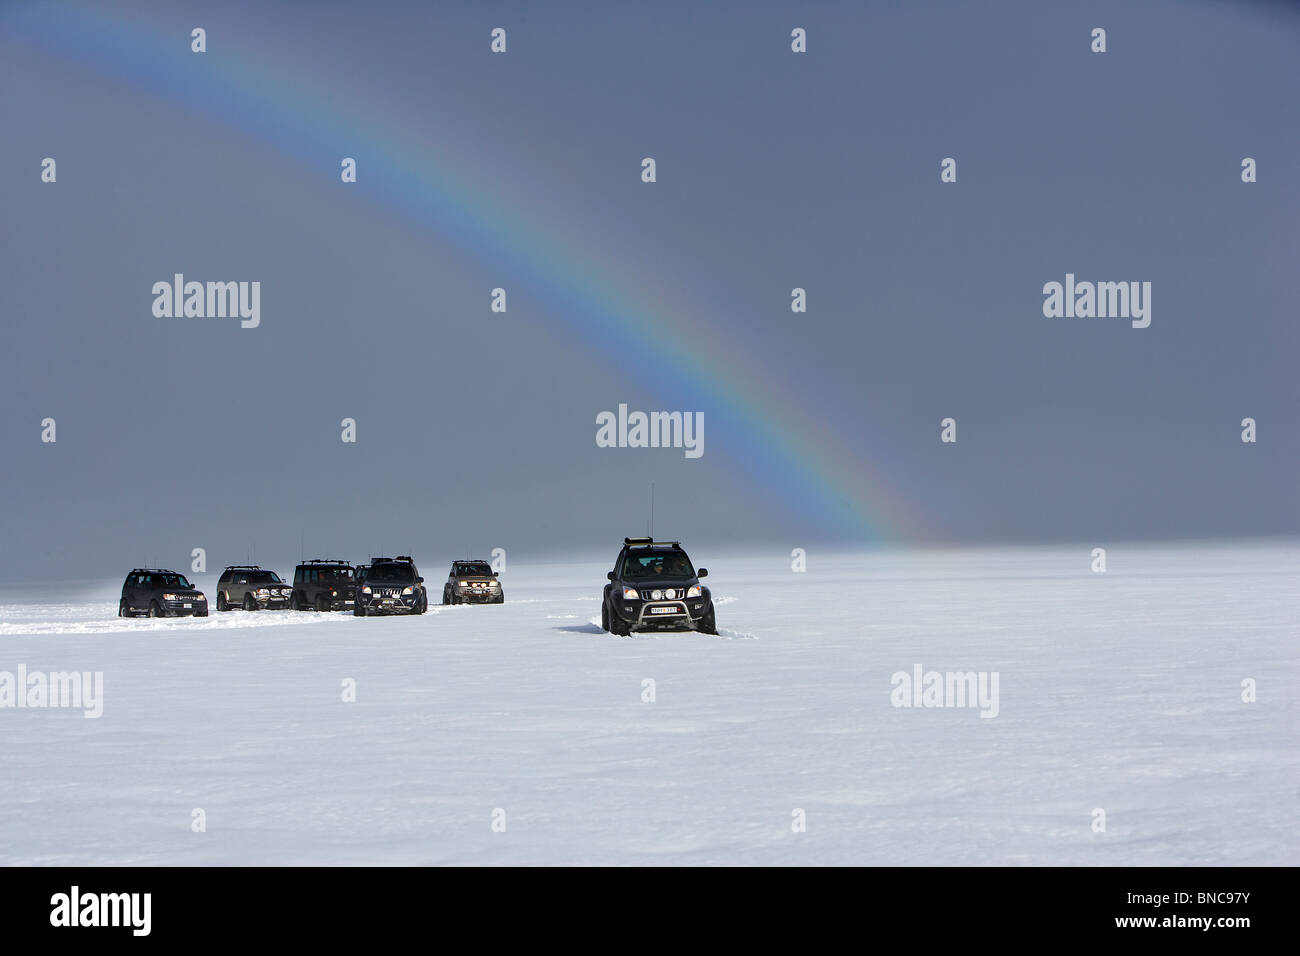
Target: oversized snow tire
{"x":708,"y":623}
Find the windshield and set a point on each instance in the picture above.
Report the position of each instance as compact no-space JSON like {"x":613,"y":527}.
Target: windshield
{"x":171,"y":581}
{"x":263,"y":577}
{"x":657,"y":564}
{"x":336,"y":574}
{"x":390,"y":573}
{"x":473,"y":570}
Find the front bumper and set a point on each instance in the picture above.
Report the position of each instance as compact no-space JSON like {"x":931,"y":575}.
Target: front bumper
{"x":663,"y":615}
{"x":480,"y":596}
{"x":178,"y":608}
{"x":386,"y":604}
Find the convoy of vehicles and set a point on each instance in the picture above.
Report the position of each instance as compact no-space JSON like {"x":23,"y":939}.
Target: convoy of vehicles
{"x":652,"y":587}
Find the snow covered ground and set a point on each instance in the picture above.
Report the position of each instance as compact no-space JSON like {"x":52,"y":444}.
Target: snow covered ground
{"x":1120,"y":691}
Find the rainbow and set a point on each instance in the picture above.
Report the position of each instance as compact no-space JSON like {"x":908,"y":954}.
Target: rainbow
{"x":783,"y":445}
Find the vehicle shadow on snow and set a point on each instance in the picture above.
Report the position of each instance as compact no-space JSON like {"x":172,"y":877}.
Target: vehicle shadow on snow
{"x":581,"y":628}
{"x":725,"y":634}
{"x":591,"y":627}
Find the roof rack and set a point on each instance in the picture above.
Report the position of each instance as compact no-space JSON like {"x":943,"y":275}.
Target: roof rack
{"x":153,"y":571}
{"x":243,"y":567}
{"x":405,"y":557}
{"x":651,"y":543}
{"x":326,"y":561}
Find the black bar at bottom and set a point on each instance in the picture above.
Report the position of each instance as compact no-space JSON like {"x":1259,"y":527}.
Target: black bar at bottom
{"x":333,"y":906}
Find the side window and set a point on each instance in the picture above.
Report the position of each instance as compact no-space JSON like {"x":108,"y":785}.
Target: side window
{"x":314,"y":575}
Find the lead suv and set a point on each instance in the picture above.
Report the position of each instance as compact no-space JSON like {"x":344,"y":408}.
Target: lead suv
{"x":323,"y":585}
{"x":251,"y":587}
{"x":160,"y":593}
{"x":654,"y":587}
{"x":472,"y":582}
{"x":390,"y":586}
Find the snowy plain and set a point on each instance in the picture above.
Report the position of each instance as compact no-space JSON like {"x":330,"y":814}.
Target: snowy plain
{"x":1120,"y":691}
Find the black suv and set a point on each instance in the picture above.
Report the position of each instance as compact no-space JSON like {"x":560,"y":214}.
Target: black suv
{"x":654,"y":587}
{"x":323,"y":585}
{"x":160,"y":593}
{"x":252,"y":588}
{"x":390,"y":586}
{"x":472,"y":582}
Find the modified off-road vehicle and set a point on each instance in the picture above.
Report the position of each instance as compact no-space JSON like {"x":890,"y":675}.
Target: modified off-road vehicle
{"x":653,"y":587}
{"x":323,"y":584}
{"x":472,"y":582}
{"x":160,"y":593}
{"x":390,"y":586}
{"x":252,"y":588}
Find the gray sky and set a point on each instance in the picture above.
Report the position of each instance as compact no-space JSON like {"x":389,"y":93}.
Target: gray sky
{"x":522,"y":171}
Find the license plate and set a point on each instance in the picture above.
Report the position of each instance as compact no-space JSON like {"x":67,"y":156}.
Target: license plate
{"x":664,"y":610}
{"x":187,"y":605}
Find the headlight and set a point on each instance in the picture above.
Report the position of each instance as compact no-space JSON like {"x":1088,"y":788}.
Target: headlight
{"x":169,"y":597}
{"x":366,"y":589}
{"x":333,"y":593}
{"x":630,"y":594}
{"x":263,"y":592}
{"x":408,"y":590}
{"x":199,"y":597}
{"x":656,"y":595}
{"x":694,"y":591}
